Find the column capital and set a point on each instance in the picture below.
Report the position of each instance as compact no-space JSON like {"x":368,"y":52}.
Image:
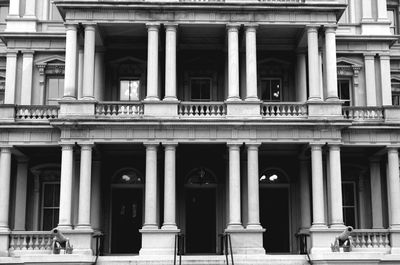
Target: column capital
{"x":22,"y":159}
{"x":71,"y":26}
{"x":233,"y":27}
{"x":6,"y":149}
{"x":334,"y":146}
{"x":12,"y":53}
{"x":374,"y":159}
{"x":86,"y":146}
{"x":250,"y":26}
{"x":28,"y":53}
{"x":316,"y":146}
{"x":253,"y":146}
{"x":392,"y":149}
{"x":369,"y":56}
{"x":67,"y":146}
{"x":384,"y":56}
{"x":90,"y":26}
{"x":169,"y":144}
{"x":151,"y":144}
{"x":312,"y":28}
{"x":153,"y":26}
{"x":234,"y":145}
{"x":330,"y":28}
{"x":171,"y":26}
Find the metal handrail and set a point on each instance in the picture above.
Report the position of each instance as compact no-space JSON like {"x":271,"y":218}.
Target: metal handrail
{"x":179,"y":247}
{"x":227,"y":247}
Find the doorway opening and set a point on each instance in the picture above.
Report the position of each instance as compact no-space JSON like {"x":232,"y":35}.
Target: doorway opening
{"x":127,"y":212}
{"x":275,"y":211}
{"x":201,"y":219}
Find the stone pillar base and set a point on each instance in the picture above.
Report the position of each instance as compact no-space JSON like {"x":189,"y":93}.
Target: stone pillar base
{"x":375,"y":28}
{"x":77,"y":108}
{"x":247,"y":241}
{"x":80,"y":240}
{"x":243,"y":109}
{"x":158,"y":241}
{"x":395,"y":240}
{"x":325,"y":109}
{"x":322,"y":238}
{"x":4,"y":243}
{"x":392,"y":114}
{"x":25,"y":24}
{"x":7,"y":113}
{"x":157,"y":109}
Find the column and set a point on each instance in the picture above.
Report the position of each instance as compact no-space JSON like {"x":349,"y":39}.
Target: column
{"x":376,"y":193}
{"x":88,"y":62}
{"x":20,"y":194}
{"x":170,"y":62}
{"x":382,"y":11}
{"x":252,"y":187}
{"x":66,"y":186}
{"x":393,"y":187}
{"x":150,"y":211}
{"x":45,"y":10}
{"x":70,"y":62}
{"x":335,"y":186}
{"x":305,"y":194}
{"x":330,"y":59}
{"x":26,"y":86}
{"x":369,"y":61}
{"x":95,"y":209}
{"x":152,"y":62}
{"x":367,"y":11}
{"x":11,"y":76}
{"x":386,"y":85}
{"x":36,"y":202}
{"x":301,"y":77}
{"x":14,"y":8}
{"x":30,"y":8}
{"x":5,"y":177}
{"x":233,"y":62}
{"x":251,"y":63}
{"x":313,"y":61}
{"x":318,"y":205}
{"x":234,"y":221}
{"x":79,"y":72}
{"x":85,"y":183}
{"x":352,"y":10}
{"x":169,"y":187}
{"x":99,"y":76}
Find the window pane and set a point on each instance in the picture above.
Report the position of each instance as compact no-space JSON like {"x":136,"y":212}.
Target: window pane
{"x":265,"y":90}
{"x":276,"y":90}
{"x":348,"y":194}
{"x":129,"y":89}
{"x":55,"y":89}
{"x":124,"y":90}
{"x":50,"y":219}
{"x":51,"y":195}
{"x":205,"y":90}
{"x":134,"y":89}
{"x":349,"y":216}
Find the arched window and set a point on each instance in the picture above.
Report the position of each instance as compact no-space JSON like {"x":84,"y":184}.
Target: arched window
{"x":128,"y":176}
{"x":201,"y":176}
{"x":273,"y":176}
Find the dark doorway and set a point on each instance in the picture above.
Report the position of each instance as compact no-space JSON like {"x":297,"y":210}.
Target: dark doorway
{"x":126,"y":220}
{"x":274,"y":215}
{"x":200,"y":221}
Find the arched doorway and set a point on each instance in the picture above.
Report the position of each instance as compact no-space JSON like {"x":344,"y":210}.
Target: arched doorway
{"x":201,"y":207}
{"x":126,"y":211}
{"x":275,"y":210}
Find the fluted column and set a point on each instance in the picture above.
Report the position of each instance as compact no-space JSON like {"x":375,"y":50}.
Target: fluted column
{"x":14,"y":8}
{"x":376,"y":193}
{"x":305,"y":194}
{"x":70,"y":62}
{"x":27,"y":71}
{"x":235,"y":221}
{"x":85,"y":184}
{"x":251,"y":63}
{"x":169,"y":187}
{"x":386,"y":85}
{"x":318,"y":205}
{"x":330,"y":67}
{"x":253,"y":187}
{"x":335,"y":186}
{"x":66,"y":186}
{"x":170,"y":62}
{"x":88,"y":62}
{"x":11,"y":77}
{"x":301,"y":77}
{"x":150,"y":212}
{"x":313,"y":64}
{"x":152,"y":61}
{"x":393,"y":187}
{"x":369,"y":62}
{"x":5,"y":178}
{"x":20,"y":193}
{"x":233,"y":62}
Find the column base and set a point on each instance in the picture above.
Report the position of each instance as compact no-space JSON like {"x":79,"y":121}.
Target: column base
{"x":4,"y":242}
{"x":7,"y":112}
{"x":247,"y":241}
{"x":80,"y":240}
{"x":395,"y":239}
{"x":158,"y":241}
{"x":77,"y":108}
{"x":392,"y":114}
{"x":322,"y":238}
{"x":84,"y":228}
{"x":157,"y":109}
{"x":325,"y":109}
{"x":240,"y":109}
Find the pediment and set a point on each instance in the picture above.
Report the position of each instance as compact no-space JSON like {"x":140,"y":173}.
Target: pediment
{"x":275,"y":61}
{"x":343,"y":61}
{"x":128,"y":60}
{"x":52,"y":60}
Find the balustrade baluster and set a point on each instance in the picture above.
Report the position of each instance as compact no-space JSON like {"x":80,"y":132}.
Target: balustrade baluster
{"x":374,"y":241}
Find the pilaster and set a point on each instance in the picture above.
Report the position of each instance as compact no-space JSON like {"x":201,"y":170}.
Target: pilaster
{"x":27,"y":71}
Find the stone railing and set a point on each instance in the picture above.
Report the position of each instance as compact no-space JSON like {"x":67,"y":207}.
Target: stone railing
{"x":119,"y":109}
{"x":202,"y":109}
{"x":284,"y":110}
{"x":371,"y":239}
{"x":363,"y":113}
{"x":30,"y":241}
{"x":36,"y":113}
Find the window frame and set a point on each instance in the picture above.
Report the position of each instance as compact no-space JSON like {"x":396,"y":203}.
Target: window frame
{"x":270,"y":79}
{"x":129,"y":79}
{"x":395,"y":85}
{"x":47,"y":99}
{"x":395,"y":28}
{"x":349,"y":79}
{"x":355,"y":206}
{"x":42,"y":207}
{"x":211,"y":88}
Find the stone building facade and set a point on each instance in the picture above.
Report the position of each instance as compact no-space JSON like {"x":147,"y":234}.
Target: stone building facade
{"x":272,"y":121}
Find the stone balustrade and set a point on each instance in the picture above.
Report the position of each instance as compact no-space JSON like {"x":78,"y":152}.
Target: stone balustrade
{"x":284,"y":110}
{"x":39,"y":242}
{"x":202,"y":109}
{"x":372,"y":239}
{"x":363,"y":113}
{"x":119,"y":109}
{"x":36,"y":113}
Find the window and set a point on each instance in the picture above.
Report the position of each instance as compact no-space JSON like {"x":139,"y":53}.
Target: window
{"x":344,"y":91}
{"x":2,"y":89}
{"x":50,"y":205}
{"x":200,"y":89}
{"x":349,"y":203}
{"x":396,"y":92}
{"x":54,"y":88}
{"x":129,"y":89}
{"x":271,"y":89}
{"x":392,"y":14}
